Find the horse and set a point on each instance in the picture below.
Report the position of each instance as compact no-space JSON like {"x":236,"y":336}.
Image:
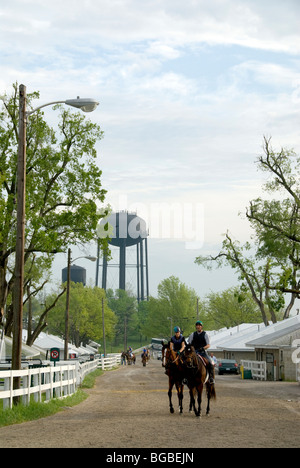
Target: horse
{"x":175,"y":372}
{"x":197,"y":376}
{"x":131,"y":359}
{"x":144,"y":359}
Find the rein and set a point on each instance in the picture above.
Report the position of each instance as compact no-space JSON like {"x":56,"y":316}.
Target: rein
{"x":173,"y":362}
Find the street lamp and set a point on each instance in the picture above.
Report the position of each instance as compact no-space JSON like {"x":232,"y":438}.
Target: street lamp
{"x":70,"y":261}
{"x":86,"y":105}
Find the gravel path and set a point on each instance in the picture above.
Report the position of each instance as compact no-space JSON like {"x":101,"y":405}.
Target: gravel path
{"x":128,"y":408}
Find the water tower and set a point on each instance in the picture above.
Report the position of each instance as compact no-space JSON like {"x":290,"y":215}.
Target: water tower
{"x":127,"y":230}
{"x":78,"y":274}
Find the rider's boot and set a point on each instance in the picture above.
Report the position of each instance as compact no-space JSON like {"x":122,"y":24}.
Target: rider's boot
{"x":211,"y":374}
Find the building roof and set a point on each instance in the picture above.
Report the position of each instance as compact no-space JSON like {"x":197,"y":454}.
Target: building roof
{"x":235,"y":338}
{"x":276,"y":331}
{"x":247,"y":336}
{"x":27,"y":351}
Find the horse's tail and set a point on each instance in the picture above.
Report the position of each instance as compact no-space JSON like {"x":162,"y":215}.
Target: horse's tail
{"x":211,"y":391}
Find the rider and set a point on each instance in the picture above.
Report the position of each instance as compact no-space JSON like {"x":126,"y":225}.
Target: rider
{"x":177,"y":343}
{"x":200,"y":340}
{"x":130,"y":351}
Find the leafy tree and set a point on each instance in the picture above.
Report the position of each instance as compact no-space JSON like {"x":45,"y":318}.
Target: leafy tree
{"x":176,"y":304}
{"x":229,"y":309}
{"x":63,"y":189}
{"x":277,"y":222}
{"x":124,"y":305}
{"x":251,"y":275}
{"x":271,"y":270}
{"x":85,"y":315}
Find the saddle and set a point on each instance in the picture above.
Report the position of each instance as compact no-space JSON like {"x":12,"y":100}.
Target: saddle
{"x":203,"y":360}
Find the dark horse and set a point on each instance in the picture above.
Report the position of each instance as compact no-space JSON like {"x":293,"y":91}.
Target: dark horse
{"x":175,"y":372}
{"x":197,"y":376}
{"x":144,"y":359}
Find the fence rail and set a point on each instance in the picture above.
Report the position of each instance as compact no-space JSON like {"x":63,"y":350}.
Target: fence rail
{"x":52,"y":382}
{"x":45,"y":383}
{"x":258,"y":369}
{"x":111,"y":361}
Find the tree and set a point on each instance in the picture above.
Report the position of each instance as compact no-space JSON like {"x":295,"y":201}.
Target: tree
{"x":124,"y":305}
{"x":175,"y":305}
{"x":251,"y":275}
{"x":277,"y":222}
{"x":63,"y":189}
{"x":271,"y":271}
{"x":85,"y":315}
{"x":229,"y":309}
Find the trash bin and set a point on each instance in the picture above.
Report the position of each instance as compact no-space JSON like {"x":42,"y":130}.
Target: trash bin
{"x":247,"y":374}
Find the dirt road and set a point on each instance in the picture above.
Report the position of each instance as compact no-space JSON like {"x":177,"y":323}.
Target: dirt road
{"x":128,"y":408}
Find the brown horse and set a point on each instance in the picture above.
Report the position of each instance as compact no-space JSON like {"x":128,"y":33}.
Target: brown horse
{"x":175,"y":372}
{"x":145,"y":359}
{"x":130,"y":359}
{"x":197,"y":376}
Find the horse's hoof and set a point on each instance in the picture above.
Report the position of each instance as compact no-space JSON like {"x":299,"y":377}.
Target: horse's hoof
{"x":172,"y":411}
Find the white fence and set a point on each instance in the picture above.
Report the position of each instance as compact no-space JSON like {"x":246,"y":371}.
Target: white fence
{"x":111,"y":361}
{"x":53,"y":382}
{"x":57,"y":382}
{"x":258,"y":369}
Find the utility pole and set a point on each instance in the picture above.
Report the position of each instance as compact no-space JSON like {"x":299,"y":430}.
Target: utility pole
{"x":66,"y":348}
{"x":103,"y":326}
{"x":125,"y":333}
{"x":20,"y":240}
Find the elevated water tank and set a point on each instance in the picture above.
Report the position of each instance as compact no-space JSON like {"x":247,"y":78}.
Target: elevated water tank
{"x":78,"y":274}
{"x":124,"y":230}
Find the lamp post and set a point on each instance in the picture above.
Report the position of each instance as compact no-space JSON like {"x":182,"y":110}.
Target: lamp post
{"x":67,"y":316}
{"x":86,"y":105}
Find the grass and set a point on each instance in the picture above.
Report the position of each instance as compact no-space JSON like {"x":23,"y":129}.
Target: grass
{"x":19,"y":414}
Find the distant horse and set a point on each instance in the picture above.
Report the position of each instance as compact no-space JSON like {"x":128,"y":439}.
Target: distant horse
{"x":131,"y":359}
{"x":197,"y":376}
{"x":145,"y":359}
{"x":174,"y":370}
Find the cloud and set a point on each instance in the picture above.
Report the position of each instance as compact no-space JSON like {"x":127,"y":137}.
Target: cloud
{"x":186,"y":89}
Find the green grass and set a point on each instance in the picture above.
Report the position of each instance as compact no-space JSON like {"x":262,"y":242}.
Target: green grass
{"x":19,"y":414}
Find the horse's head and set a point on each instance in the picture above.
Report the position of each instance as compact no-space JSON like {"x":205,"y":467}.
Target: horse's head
{"x":189,"y":356}
{"x":165,"y":353}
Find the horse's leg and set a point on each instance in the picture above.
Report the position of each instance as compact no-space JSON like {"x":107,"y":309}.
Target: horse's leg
{"x":199,"y":390}
{"x":181,"y":398}
{"x":208,"y":399}
{"x":171,"y":384}
{"x":179,"y":387}
{"x":193,"y":400}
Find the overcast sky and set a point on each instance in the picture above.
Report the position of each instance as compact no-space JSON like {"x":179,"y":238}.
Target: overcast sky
{"x":187,"y":91}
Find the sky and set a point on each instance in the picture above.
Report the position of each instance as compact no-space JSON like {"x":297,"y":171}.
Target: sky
{"x":187,"y":91}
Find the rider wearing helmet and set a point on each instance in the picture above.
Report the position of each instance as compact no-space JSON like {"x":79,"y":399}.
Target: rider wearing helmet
{"x":200,"y":340}
{"x":177,"y":343}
